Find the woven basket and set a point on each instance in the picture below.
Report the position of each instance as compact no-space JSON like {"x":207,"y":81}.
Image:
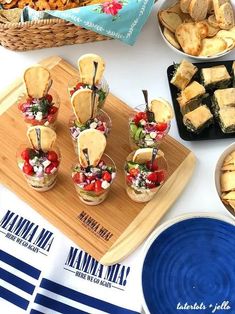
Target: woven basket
{"x":44,"y":34}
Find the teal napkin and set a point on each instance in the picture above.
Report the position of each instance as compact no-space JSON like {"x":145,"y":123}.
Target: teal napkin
{"x":120,"y":19}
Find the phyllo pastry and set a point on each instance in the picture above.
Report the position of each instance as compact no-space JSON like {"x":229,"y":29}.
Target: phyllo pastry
{"x":198,"y":119}
{"x":223,"y":98}
{"x":190,"y":98}
{"x":184,"y":73}
{"x":226,"y":118}
{"x":215,"y":77}
{"x":233,"y":73}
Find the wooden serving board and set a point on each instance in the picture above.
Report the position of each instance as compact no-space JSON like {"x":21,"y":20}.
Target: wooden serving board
{"x":109,"y":231}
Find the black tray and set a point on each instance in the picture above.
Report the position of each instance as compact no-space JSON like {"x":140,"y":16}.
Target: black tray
{"x":213,"y":132}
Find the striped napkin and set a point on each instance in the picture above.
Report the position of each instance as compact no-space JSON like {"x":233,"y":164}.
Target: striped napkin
{"x":42,"y":271}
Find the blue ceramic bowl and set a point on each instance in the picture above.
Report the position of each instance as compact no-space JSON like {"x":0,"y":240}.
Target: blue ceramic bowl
{"x":189,"y":267}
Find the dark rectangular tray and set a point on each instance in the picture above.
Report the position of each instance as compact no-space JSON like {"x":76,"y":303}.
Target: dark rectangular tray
{"x":214,"y":131}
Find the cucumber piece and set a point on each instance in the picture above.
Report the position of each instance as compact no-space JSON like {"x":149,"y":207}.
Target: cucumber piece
{"x":138,"y":134}
{"x":133,"y":129}
{"x":132,"y":165}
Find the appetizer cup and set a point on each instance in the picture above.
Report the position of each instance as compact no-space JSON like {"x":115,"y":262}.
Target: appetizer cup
{"x":144,"y":134}
{"x":144,"y":180}
{"x":75,"y":84}
{"x":39,"y":168}
{"x":94,"y":183}
{"x":101,"y":122}
{"x":40,"y":111}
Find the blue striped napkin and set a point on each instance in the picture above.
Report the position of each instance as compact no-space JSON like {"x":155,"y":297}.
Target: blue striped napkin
{"x":41,"y":271}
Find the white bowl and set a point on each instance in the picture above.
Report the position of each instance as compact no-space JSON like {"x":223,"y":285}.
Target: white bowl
{"x":165,"y":5}
{"x":217,"y":173}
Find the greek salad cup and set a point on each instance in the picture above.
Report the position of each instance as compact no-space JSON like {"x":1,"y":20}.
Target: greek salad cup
{"x":93,"y":183}
{"x":40,"y":111}
{"x":101,"y":122}
{"x":146,"y":169}
{"x":39,"y":163}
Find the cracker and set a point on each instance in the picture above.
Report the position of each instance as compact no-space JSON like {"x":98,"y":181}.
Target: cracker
{"x":227,"y":181}
{"x":41,"y":137}
{"x":94,"y":142}
{"x":189,"y":38}
{"x":203,"y":28}
{"x":170,"y":37}
{"x":212,"y":46}
{"x":170,"y":20}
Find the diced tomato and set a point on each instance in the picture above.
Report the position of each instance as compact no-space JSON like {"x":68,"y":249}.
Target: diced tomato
{"x":79,"y":85}
{"x":101,"y":128}
{"x":140,"y":116}
{"x":153,"y":176}
{"x":28,"y":169}
{"x":133,"y":172}
{"x":72,"y":92}
{"x":106,"y":176}
{"x":49,"y":98}
{"x":51,"y":118}
{"x":89,"y":187}
{"x":53,"y":110}
{"x":155,"y":165}
{"x":79,"y":177}
{"x":161,"y":176}
{"x":98,"y":187}
{"x":161,"y":127}
{"x":49,"y":168}
{"x":55,"y":163}
{"x":129,"y":178}
{"x":52,"y":156}
{"x":25,"y":154}
{"x":151,"y":185}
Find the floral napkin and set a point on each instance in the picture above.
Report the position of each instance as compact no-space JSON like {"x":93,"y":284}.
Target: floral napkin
{"x":120,"y":19}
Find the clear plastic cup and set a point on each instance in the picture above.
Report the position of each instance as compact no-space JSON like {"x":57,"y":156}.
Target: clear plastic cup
{"x":92,"y":197}
{"x":146,"y":134}
{"x":50,"y":117}
{"x":76,"y":128}
{"x":42,"y":182}
{"x":102,"y":89}
{"x":142,"y":194}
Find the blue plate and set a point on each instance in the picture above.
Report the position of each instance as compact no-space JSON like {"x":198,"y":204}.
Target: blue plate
{"x":190,"y":268}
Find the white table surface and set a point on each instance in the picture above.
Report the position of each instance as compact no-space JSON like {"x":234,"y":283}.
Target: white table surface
{"x":129,"y":70}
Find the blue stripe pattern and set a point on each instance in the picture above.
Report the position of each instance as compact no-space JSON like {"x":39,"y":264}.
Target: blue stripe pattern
{"x":14,"y":298}
{"x":16,"y":281}
{"x":83,"y":298}
{"x":33,"y":311}
{"x":56,"y":305}
{"x":20,"y":265}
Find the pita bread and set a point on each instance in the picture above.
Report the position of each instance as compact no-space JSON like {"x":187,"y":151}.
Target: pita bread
{"x":227,"y":181}
{"x":203,"y":28}
{"x":229,"y":196}
{"x":189,"y":38}
{"x":86,"y":68}
{"x":37,"y":81}
{"x":225,"y":16}
{"x":230,"y":159}
{"x":95,"y":142}
{"x":170,"y":20}
{"x":212,"y":21}
{"x":170,"y":37}
{"x":142,"y":155}
{"x":232,"y":203}
{"x":212,"y":46}
{"x":41,"y":137}
{"x":82,"y":102}
{"x":162,"y":110}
